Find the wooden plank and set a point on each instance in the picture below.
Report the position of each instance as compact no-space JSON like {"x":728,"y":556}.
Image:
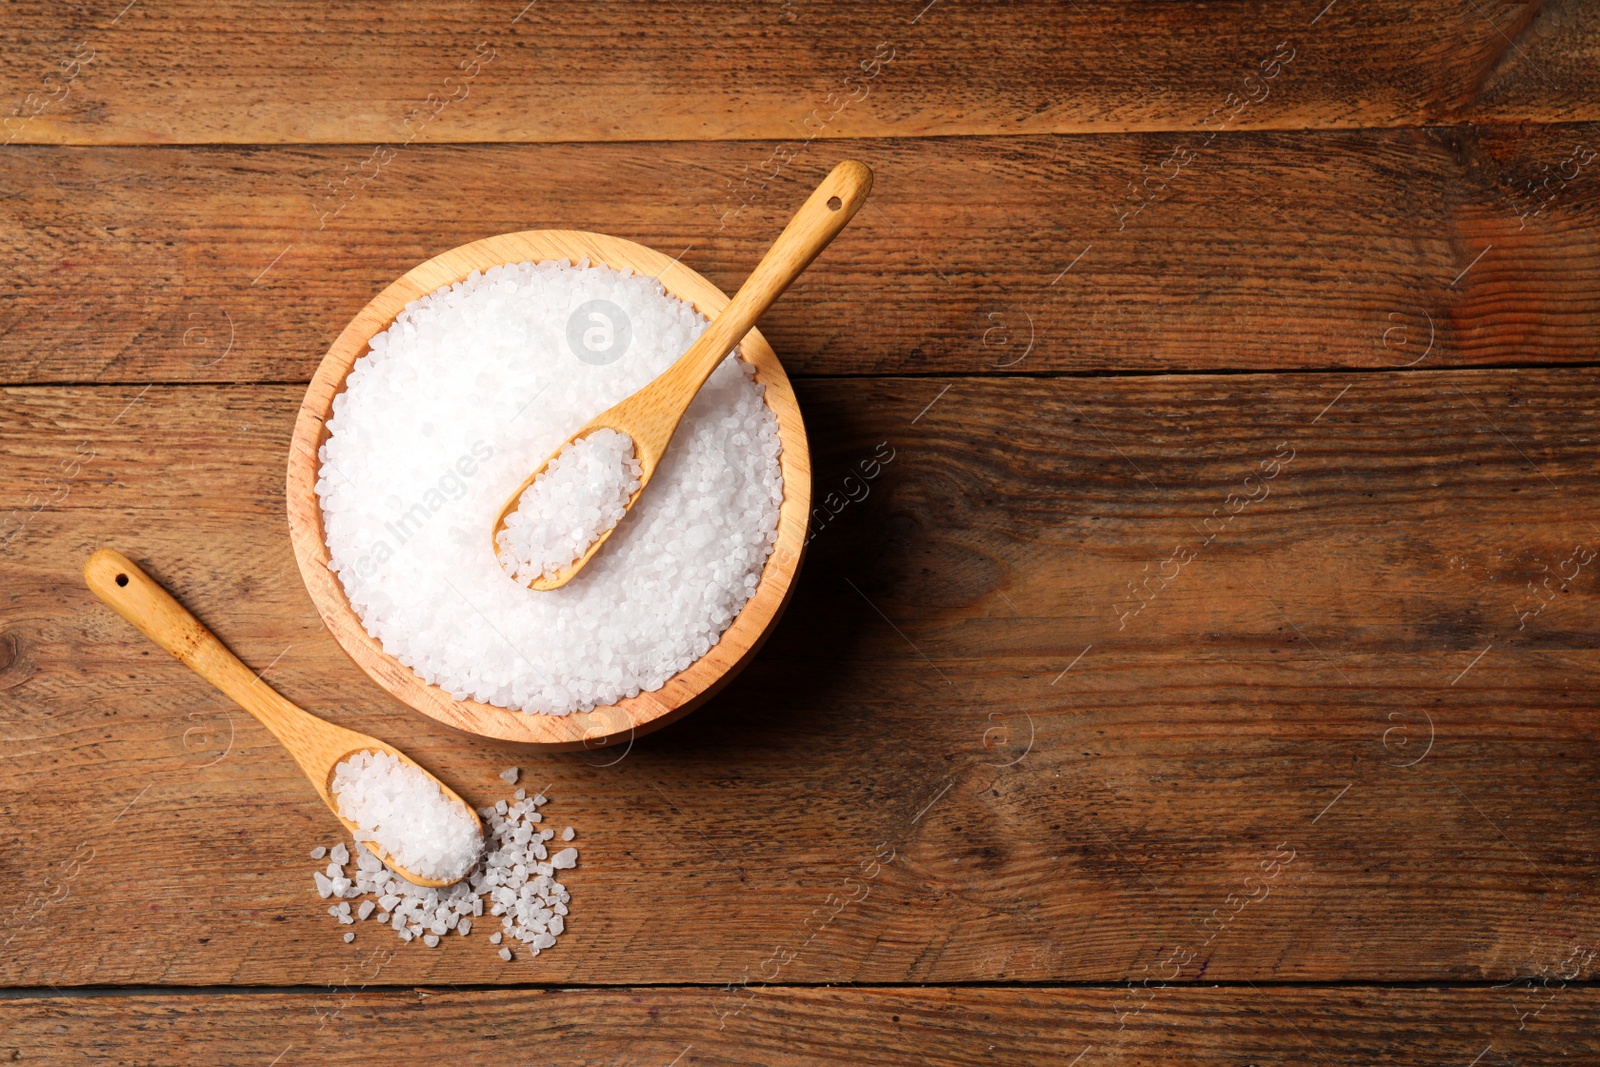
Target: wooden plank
{"x":1355,"y":690}
{"x":995,"y":255}
{"x":197,"y":72}
{"x":1186,"y":1027}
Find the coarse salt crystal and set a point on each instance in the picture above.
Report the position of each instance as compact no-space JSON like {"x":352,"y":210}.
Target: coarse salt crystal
{"x":406,"y":814}
{"x":580,"y":496}
{"x":472,"y":387}
{"x":528,"y":901}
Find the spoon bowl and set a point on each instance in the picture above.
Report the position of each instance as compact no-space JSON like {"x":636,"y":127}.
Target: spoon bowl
{"x":317,"y":745}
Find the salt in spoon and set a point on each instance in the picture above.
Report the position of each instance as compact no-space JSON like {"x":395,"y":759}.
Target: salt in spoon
{"x":317,"y":746}
{"x":650,"y":416}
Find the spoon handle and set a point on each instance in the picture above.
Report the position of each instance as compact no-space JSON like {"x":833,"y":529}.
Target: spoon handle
{"x":142,"y":601}
{"x":316,"y":745}
{"x":819,"y":220}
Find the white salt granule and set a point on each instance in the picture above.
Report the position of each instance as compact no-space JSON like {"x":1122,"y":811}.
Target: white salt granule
{"x":470,"y":389}
{"x":568,"y":834}
{"x":512,"y":879}
{"x":405,"y":813}
{"x":318,"y":852}
{"x":508,"y":776}
{"x":582,"y":494}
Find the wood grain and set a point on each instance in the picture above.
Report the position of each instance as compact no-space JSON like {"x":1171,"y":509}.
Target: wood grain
{"x":1094,"y":691}
{"x":1380,"y":250}
{"x":1358,"y":693}
{"x":1205,"y":1027}
{"x":633,"y":716}
{"x":512,"y":71}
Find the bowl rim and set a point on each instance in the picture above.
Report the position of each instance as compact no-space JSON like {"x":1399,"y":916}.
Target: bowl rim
{"x":608,"y":724}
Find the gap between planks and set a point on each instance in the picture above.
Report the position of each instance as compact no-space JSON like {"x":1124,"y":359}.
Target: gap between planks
{"x":1181,"y":372}
{"x":111,"y":991}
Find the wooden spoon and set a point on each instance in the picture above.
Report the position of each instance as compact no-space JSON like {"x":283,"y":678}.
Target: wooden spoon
{"x":651,"y":415}
{"x":318,"y":746}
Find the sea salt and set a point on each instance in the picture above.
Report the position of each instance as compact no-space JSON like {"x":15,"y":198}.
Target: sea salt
{"x":470,"y":389}
{"x":510,"y":881}
{"x":581,"y":495}
{"x":404,"y":812}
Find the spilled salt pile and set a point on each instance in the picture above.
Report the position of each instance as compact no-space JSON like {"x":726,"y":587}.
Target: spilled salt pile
{"x":473,"y":387}
{"x":405,"y":813}
{"x":582,"y":493}
{"x":514,"y":880}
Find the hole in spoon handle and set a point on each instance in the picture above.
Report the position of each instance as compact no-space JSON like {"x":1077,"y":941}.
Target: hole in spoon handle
{"x":829,"y":208}
{"x":141,"y":600}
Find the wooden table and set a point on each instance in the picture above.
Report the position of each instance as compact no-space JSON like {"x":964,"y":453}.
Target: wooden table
{"x":1206,"y":676}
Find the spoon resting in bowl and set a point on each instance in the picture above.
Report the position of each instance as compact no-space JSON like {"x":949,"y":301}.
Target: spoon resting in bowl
{"x":319,"y":747}
{"x":629,"y":439}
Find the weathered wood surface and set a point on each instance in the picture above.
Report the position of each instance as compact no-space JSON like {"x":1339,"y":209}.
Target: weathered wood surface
{"x":110,"y":72}
{"x":1205,"y":1027}
{"x":1363,"y":667}
{"x":1374,"y":249}
{"x":1262,"y":678}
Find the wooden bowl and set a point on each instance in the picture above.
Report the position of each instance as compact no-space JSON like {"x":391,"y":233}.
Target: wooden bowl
{"x":627,"y":718}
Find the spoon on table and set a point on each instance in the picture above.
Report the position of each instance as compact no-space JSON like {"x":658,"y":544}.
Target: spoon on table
{"x":650,"y":416}
{"x":318,"y":746}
